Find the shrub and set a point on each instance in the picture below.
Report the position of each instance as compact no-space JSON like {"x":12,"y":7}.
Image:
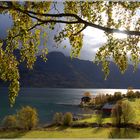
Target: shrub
{"x":9,"y":122}
{"x":128,"y":112}
{"x":130,"y":94}
{"x":80,"y":124}
{"x":117,"y":96}
{"x":110,"y":97}
{"x":117,"y":114}
{"x":27,"y":118}
{"x":99,"y":118}
{"x":122,"y":113}
{"x":137,"y":94}
{"x":101,"y":99}
{"x":58,"y":118}
{"x":68,"y":118}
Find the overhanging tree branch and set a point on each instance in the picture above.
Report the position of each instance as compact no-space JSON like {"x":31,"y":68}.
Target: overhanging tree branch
{"x":34,"y":15}
{"x":79,"y":20}
{"x":80,"y":30}
{"x":37,"y":24}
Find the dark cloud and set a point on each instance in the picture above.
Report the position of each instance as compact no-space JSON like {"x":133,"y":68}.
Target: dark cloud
{"x":93,"y":38}
{"x":5,"y":24}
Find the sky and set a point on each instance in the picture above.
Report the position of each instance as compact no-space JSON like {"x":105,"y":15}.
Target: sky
{"x":93,"y":39}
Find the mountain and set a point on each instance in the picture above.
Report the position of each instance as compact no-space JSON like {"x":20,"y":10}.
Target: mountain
{"x":63,"y":72}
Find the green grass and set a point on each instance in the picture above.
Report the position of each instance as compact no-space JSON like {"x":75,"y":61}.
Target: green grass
{"x":136,"y":106}
{"x":93,"y":120}
{"x":88,"y":120}
{"x":67,"y":132}
{"x":73,"y":133}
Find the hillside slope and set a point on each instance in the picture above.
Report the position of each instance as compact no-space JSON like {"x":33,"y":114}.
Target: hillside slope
{"x":61,"y":71}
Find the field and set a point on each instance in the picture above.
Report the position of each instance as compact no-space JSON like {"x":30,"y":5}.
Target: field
{"x":73,"y":133}
{"x":135,"y":103}
{"x":89,"y":132}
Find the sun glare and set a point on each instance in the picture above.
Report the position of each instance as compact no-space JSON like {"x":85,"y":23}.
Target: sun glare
{"x":90,"y":31}
{"x":96,"y":33}
{"x":119,"y":35}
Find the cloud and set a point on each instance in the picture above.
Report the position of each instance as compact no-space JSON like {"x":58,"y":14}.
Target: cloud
{"x":93,"y":39}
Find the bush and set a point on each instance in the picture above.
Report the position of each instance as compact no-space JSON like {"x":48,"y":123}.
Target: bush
{"x":128,"y":113}
{"x":68,"y":118}
{"x":137,"y":94}
{"x":130,"y":94}
{"x":101,"y":99}
{"x":80,"y":125}
{"x":122,"y":113}
{"x":99,"y":118}
{"x":117,"y":96}
{"x":27,"y":118}
{"x":58,"y":118}
{"x":116,"y":114}
{"x":10,"y":122}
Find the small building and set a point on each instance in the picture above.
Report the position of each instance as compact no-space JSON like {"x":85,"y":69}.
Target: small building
{"x":85,"y":99}
{"x":107,"y":108}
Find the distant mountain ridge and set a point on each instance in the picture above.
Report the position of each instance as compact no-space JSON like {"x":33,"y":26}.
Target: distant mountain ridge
{"x":62,"y":72}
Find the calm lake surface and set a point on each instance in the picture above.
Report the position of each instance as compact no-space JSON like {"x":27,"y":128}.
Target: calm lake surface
{"x":47,"y":101}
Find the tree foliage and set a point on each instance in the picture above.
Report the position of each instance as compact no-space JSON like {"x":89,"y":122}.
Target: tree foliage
{"x":122,"y":112}
{"x":58,"y":118}
{"x":68,"y":118}
{"x":10,"y":122}
{"x":31,"y":19}
{"x":128,"y":113}
{"x":99,"y":118}
{"x":27,"y":118}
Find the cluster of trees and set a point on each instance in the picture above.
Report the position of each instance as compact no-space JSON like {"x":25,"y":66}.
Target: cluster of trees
{"x":63,"y":119}
{"x":122,"y":113}
{"x":101,"y":99}
{"x":26,"y":118}
{"x":131,"y":94}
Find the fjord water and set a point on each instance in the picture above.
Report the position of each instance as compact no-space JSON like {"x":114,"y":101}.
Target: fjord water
{"x":47,"y":101}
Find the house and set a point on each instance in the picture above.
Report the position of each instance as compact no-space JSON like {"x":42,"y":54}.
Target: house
{"x":107,"y":108}
{"x":85,"y":99}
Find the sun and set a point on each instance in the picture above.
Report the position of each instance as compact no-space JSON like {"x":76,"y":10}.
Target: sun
{"x":100,"y":35}
{"x":119,"y":35}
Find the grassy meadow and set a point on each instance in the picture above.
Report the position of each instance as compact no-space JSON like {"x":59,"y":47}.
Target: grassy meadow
{"x":135,"y":103}
{"x":88,"y":132}
{"x":62,"y":132}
